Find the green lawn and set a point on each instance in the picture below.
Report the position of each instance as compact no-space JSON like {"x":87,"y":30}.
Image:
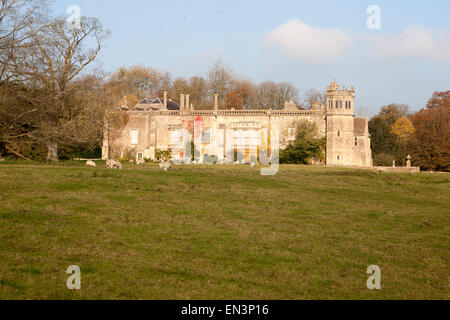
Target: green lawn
{"x":222,"y":232}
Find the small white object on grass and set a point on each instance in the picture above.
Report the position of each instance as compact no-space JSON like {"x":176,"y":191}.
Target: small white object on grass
{"x":113,"y":164}
{"x":165,"y":165}
{"x":90,"y":163}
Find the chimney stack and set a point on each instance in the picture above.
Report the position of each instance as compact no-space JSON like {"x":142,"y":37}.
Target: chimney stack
{"x":165,"y":100}
{"x":188,"y":106}
{"x":181,"y":101}
{"x":216,"y":101}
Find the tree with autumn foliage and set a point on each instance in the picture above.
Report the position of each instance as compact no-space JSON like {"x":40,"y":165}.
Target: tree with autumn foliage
{"x":430,"y":143}
{"x":238,"y":97}
{"x":403,"y":129}
{"x":386,"y":146}
{"x":392,"y":112}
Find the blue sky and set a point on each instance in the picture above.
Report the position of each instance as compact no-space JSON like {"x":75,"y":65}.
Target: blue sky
{"x":308,"y":43}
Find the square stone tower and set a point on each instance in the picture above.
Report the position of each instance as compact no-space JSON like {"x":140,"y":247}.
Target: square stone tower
{"x":340,"y":125}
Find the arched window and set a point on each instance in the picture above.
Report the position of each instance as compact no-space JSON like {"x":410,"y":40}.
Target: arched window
{"x":356,"y":141}
{"x":339,"y":133}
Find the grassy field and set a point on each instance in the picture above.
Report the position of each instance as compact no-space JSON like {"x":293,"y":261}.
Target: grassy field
{"x":222,"y":232}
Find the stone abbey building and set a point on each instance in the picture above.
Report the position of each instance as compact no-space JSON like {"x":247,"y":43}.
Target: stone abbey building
{"x":240,"y":135}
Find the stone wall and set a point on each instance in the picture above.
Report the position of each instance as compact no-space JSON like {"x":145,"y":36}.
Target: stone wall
{"x":150,"y":130}
{"x":155,"y":129}
{"x":398,"y":169}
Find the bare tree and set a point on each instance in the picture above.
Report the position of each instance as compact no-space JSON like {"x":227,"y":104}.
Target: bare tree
{"x":16,"y":114}
{"x":54,"y":57}
{"x":271,"y":95}
{"x":263,"y":95}
{"x":363,"y":112}
{"x":141,"y":81}
{"x":220,"y":80}
{"x":15,"y":18}
{"x":198,"y":90}
{"x":114,"y":123}
{"x":285,"y":92}
{"x":314,"y":96}
{"x":90,"y":96}
{"x":179,"y":86}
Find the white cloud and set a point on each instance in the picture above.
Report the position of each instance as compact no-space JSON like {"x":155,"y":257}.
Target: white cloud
{"x":302,"y":42}
{"x":418,"y":41}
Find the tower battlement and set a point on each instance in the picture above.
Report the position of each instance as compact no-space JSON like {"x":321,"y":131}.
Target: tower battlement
{"x":340,"y":101}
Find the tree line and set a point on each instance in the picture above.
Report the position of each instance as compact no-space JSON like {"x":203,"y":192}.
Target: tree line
{"x":424,"y":135}
{"x":130,"y":85}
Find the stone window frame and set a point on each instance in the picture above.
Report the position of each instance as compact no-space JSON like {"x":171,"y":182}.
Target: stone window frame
{"x":134,"y":137}
{"x":292,"y":134}
{"x":174,"y":139}
{"x":206,"y":137}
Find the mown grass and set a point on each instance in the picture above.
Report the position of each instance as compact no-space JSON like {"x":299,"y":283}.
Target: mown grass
{"x":222,"y":232}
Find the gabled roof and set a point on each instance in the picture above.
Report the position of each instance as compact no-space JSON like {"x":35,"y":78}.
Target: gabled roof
{"x":151,"y":101}
{"x":156,"y":104}
{"x":172,"y":105}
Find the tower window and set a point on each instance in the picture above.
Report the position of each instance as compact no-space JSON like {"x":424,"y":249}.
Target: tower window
{"x":356,"y":141}
{"x":349,"y":104}
{"x":337,"y":105}
{"x":339,"y":133}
